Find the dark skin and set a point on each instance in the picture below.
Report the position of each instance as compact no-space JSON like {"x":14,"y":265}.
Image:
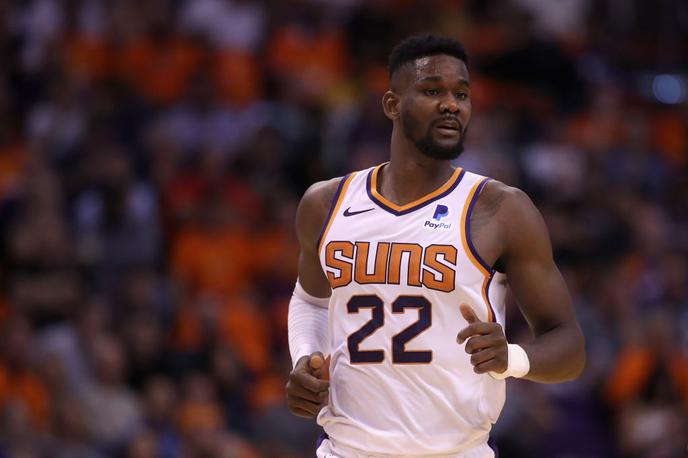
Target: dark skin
{"x":507,"y":230}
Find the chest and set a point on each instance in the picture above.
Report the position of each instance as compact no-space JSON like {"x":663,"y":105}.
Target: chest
{"x":426,"y":248}
{"x":428,"y":243}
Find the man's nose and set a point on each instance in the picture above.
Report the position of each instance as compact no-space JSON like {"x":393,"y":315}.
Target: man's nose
{"x":449,"y":104}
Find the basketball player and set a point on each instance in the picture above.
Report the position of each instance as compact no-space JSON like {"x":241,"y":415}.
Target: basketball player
{"x":402,"y":278}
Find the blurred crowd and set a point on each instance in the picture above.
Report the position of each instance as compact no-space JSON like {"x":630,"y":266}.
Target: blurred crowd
{"x":153,"y":152}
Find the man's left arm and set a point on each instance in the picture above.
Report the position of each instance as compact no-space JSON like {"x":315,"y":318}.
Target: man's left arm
{"x":556,"y":352}
{"x":557,"y":349}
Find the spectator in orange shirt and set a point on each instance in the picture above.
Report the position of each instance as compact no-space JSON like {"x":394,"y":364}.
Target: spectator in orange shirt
{"x":19,"y":383}
{"x":159,"y":63}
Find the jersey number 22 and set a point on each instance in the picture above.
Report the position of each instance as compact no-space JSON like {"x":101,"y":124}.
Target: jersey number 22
{"x":399,"y":353}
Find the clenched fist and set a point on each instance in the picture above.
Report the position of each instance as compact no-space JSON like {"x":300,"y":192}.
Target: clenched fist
{"x":307,"y":389}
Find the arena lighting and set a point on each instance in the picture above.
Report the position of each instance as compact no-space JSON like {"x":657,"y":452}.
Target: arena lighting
{"x":669,"y":89}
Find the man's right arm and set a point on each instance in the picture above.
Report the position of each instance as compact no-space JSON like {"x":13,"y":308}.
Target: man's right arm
{"x":308,"y":388}
{"x":310,"y":219}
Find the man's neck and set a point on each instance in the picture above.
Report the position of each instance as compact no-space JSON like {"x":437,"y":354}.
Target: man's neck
{"x":411,"y":175}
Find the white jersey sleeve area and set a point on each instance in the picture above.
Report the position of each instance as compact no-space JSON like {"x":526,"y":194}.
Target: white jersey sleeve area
{"x":400,"y":384}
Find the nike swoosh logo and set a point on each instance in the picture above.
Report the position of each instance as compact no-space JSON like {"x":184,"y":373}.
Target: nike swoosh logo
{"x":350,"y":213}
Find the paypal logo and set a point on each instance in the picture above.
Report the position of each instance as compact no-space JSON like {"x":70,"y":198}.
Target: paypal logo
{"x":440,"y":212}
{"x":432,"y":225}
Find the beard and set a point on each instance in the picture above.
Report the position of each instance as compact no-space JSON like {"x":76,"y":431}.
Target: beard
{"x":427,"y":145}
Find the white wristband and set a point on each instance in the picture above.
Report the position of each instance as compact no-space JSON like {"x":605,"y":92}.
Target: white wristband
{"x":307,"y":324}
{"x":518,"y":364}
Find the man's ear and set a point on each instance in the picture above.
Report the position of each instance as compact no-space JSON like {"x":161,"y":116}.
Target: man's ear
{"x":390,"y":104}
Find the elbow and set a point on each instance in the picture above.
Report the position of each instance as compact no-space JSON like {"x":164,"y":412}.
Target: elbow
{"x":578,"y":367}
{"x":578,"y":358}
{"x":565,"y":360}
{"x":572,"y":362}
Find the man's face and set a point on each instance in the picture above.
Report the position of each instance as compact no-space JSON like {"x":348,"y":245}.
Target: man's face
{"x":435,"y":105}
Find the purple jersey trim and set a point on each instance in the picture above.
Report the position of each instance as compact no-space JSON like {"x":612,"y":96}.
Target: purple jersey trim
{"x":471,"y":205}
{"x":474,"y":252}
{"x":334,"y":204}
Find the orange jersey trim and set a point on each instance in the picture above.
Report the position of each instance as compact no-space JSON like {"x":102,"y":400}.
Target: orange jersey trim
{"x":469,"y":250}
{"x":337,"y":202}
{"x":418,"y":202}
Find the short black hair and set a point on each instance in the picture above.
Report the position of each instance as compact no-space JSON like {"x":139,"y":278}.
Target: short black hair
{"x":417,"y":46}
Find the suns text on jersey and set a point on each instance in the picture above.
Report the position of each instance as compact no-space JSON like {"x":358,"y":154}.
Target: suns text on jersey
{"x":432,"y":266}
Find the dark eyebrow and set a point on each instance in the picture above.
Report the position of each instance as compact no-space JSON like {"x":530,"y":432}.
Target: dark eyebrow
{"x":437,"y":79}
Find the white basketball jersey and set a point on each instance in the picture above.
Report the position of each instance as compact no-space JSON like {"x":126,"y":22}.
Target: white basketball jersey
{"x":400,"y":384}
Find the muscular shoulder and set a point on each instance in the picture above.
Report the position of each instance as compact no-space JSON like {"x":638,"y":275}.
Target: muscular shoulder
{"x":519,"y":223}
{"x":501,"y":201}
{"x":489,"y":203}
{"x":314,"y":208}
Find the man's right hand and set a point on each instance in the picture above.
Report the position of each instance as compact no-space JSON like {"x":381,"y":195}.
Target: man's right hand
{"x":307,"y":389}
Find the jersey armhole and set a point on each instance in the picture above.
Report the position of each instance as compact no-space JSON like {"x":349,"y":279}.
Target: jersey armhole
{"x":487,"y":271}
{"x":478,"y":261}
{"x":334,"y":207}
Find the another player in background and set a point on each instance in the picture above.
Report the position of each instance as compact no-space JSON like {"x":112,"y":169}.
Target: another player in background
{"x":402,"y":277}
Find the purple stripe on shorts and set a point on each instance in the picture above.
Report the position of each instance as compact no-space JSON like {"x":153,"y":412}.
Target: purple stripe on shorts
{"x":490,"y":442}
{"x":320,"y":440}
{"x":493,"y":445}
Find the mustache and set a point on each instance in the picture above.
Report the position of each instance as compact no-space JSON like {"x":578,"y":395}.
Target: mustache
{"x":450,"y":118}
